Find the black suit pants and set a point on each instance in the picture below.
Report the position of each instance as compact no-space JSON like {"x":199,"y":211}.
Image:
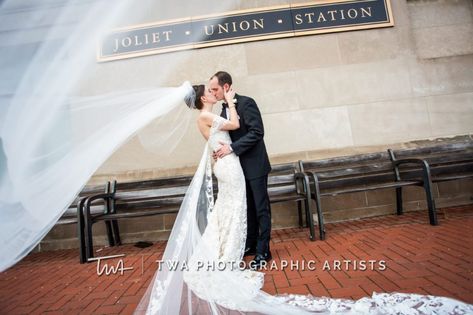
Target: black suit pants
{"x":259,"y":214}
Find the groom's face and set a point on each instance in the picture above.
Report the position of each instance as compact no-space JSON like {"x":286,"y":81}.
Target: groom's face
{"x":216,"y":89}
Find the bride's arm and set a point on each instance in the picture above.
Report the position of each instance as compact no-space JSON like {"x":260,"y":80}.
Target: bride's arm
{"x":234,"y":122}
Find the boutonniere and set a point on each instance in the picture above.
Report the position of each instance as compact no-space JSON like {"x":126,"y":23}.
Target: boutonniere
{"x":235,"y":101}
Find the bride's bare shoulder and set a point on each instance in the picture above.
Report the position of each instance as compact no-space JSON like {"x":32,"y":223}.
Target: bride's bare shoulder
{"x":206,"y":118}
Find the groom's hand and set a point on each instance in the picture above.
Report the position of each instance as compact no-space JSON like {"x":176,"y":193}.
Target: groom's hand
{"x":224,"y":150}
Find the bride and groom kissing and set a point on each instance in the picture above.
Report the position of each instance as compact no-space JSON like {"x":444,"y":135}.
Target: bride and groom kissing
{"x":238,"y":223}
{"x":242,"y":210}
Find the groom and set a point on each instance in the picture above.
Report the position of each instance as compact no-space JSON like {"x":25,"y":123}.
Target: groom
{"x":248,"y":144}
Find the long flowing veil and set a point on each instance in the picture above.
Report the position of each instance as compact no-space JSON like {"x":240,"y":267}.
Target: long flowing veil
{"x":51,"y":140}
{"x":42,"y":180}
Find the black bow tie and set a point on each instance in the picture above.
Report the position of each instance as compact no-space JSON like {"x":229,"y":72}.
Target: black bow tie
{"x":224,"y":105}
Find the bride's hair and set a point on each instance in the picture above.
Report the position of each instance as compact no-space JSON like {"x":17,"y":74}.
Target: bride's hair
{"x":195,"y":101}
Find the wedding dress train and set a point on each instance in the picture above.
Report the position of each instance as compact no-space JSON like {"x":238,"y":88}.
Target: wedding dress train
{"x":211,"y":280}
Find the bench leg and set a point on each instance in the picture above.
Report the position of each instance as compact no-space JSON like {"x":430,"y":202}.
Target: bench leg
{"x":80,"y":231}
{"x":318,"y":203}
{"x":113,"y":232}
{"x":114,"y":224}
{"x":310,"y":218}
{"x":299,"y":212}
{"x":307,"y":220}
{"x":89,"y":242}
{"x":399,"y":201}
{"x":89,"y":250}
{"x":116,"y":232}
{"x":430,"y":203}
{"x":320,"y":216}
{"x":308,"y":209}
{"x":108,"y":226}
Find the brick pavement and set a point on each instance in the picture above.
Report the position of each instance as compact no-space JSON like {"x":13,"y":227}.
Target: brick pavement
{"x":381,"y":254}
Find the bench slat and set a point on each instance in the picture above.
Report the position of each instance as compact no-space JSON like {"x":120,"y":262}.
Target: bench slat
{"x":355,"y":189}
{"x":435,"y":149}
{"x":338,"y":162}
{"x":350,"y":171}
{"x":136,"y":214}
{"x":150,"y":193}
{"x":280,"y":180}
{"x":155,"y":183}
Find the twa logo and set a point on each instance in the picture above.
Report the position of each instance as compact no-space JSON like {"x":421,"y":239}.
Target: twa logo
{"x":110,"y":269}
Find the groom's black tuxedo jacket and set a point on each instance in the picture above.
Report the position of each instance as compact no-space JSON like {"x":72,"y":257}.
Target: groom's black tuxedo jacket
{"x":248,"y":141}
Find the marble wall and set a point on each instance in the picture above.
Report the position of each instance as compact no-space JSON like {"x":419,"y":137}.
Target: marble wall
{"x":332,"y":93}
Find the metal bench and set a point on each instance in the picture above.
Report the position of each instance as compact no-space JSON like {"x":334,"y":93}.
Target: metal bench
{"x":364,"y":172}
{"x":130,"y":200}
{"x":70,"y":215}
{"x":165,"y":195}
{"x":447,"y":162}
{"x":285,"y":183}
{"x":74,"y":214}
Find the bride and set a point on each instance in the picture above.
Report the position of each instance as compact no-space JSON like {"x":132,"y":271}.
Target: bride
{"x":208,"y":239}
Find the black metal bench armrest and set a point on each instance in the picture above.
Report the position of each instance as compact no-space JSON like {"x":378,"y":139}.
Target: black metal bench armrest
{"x":423,"y":163}
{"x":103,"y":196}
{"x":83,"y":205}
{"x":315,"y":182}
{"x":300,"y":164}
{"x":426,"y":182}
{"x":304,"y":178}
{"x":312,"y":175}
{"x":88,"y":202}
{"x":411,"y":161}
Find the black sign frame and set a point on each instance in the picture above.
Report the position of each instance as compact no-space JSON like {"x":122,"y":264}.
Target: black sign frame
{"x":282,"y":21}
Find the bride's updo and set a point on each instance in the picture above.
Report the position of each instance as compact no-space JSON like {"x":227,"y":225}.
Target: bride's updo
{"x":195,"y":101}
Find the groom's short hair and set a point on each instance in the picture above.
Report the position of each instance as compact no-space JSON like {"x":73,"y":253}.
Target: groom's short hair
{"x":223,"y":77}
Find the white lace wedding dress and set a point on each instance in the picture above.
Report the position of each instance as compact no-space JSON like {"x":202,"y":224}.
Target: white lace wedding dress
{"x":211,"y":281}
{"x":218,"y":254}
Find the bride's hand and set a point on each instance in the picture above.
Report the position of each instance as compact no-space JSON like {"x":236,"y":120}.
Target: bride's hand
{"x":229,"y":95}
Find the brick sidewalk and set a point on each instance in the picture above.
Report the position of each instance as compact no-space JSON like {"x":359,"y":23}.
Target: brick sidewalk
{"x":419,"y":258}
